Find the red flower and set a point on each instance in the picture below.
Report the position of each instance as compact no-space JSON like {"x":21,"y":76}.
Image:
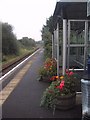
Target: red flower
{"x":53,"y":78}
{"x":62,"y":82}
{"x":67,"y":72}
{"x":71,"y":73}
{"x":61,"y":85}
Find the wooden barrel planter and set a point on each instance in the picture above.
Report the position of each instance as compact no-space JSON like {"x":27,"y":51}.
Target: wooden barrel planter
{"x":66,"y":102}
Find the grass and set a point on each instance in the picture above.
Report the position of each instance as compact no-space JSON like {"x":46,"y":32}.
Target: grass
{"x":10,"y":58}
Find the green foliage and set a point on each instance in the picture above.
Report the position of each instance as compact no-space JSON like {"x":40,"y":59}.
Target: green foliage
{"x":11,"y":47}
{"x":48,"y":51}
{"x":27,"y":42}
{"x":4,"y":58}
{"x":47,"y":37}
{"x":49,"y":23}
{"x":9,"y":41}
{"x":63,"y":86}
{"x":49,"y":68}
{"x":43,"y":72}
{"x":10,"y":44}
{"x":49,"y":95}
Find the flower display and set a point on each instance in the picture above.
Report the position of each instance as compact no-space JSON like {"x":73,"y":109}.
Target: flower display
{"x":60,"y":86}
{"x":48,"y":70}
{"x":53,"y":78}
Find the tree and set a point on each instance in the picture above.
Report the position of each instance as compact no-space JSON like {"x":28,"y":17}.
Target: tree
{"x":49,"y":24}
{"x":9,"y":41}
{"x":27,"y":42}
{"x":47,"y":37}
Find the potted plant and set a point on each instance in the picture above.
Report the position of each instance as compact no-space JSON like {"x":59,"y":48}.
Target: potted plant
{"x":61,"y":93}
{"x":48,"y":70}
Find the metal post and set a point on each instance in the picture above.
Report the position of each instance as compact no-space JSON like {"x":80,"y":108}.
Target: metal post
{"x":52,"y":46}
{"x":77,"y":52}
{"x":55,"y":44}
{"x":0,"y":48}
{"x":88,"y":64}
{"x":89,"y":34}
{"x":86,"y":39}
{"x":68,"y":54}
{"x":0,"y":63}
{"x":64,"y":44}
{"x":57,"y":33}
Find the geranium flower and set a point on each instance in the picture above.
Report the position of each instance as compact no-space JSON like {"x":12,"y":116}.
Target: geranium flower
{"x":67,"y":72}
{"x":62,"y":82}
{"x":53,"y":78}
{"x":64,"y":86}
{"x":57,"y":77}
{"x":61,"y":77}
{"x":71,"y":73}
{"x":61,"y":85}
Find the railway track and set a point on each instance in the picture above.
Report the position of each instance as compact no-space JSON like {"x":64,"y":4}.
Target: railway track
{"x":7,"y":67}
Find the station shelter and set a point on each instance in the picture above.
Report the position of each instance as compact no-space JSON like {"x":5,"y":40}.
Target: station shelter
{"x":71,"y":35}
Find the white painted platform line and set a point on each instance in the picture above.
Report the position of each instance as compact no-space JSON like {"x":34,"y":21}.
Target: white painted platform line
{"x":11,"y":71}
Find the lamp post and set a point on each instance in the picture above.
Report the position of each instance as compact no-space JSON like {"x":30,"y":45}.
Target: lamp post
{"x":85,"y":88}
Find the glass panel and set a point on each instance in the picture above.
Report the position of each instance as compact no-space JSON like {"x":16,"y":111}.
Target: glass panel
{"x":88,"y":8}
{"x":77,"y":39}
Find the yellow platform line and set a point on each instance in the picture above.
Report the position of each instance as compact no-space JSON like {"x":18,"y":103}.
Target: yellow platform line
{"x":4,"y":94}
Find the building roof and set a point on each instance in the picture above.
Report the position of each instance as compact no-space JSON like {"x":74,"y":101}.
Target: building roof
{"x":70,"y":10}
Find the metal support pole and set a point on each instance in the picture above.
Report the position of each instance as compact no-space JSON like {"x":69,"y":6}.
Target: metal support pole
{"x":68,"y":54}
{"x":0,"y":48}
{"x":52,"y":46}
{"x":64,"y":44}
{"x":57,"y":33}
{"x":86,"y":39}
{"x":77,"y":50}
{"x":56,"y":43}
{"x":89,"y":34}
{"x":0,"y":63}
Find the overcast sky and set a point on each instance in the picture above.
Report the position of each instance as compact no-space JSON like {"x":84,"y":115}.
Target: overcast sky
{"x":27,"y":16}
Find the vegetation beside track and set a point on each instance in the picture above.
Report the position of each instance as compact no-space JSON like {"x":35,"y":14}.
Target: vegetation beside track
{"x":14,"y":49}
{"x":10,"y":59}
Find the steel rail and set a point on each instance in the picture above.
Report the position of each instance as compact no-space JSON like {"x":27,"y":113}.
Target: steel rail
{"x":17,"y":66}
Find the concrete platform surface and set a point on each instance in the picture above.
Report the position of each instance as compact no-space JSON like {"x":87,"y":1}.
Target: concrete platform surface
{"x":24,"y":101}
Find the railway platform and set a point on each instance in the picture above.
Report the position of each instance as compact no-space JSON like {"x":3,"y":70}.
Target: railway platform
{"x":24,"y":100}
